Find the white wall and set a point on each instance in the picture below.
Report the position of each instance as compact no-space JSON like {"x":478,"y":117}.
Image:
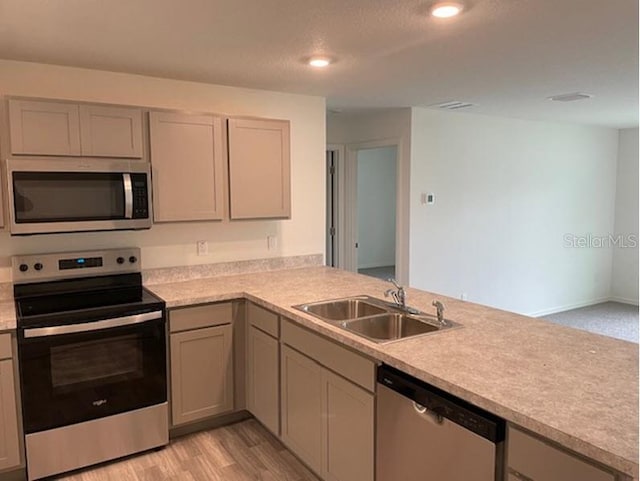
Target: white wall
{"x":624,"y":282}
{"x":376,"y":207}
{"x":388,"y":126}
{"x":175,"y":244}
{"x":507,"y":192}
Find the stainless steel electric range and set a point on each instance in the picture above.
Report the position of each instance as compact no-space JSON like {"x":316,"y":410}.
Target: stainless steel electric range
{"x":92,"y":356}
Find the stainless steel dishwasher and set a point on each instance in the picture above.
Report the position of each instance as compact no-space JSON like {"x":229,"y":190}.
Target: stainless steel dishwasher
{"x":426,"y":434}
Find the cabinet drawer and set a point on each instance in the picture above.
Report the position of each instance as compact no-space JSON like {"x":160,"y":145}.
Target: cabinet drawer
{"x":263,"y":319}
{"x":531,"y":458}
{"x":5,"y":346}
{"x":185,"y":318}
{"x":347,"y":363}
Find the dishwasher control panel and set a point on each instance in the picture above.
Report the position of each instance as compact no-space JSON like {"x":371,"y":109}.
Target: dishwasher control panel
{"x":441,"y":403}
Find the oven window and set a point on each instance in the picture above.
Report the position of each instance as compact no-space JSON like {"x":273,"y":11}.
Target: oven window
{"x":67,"y":196}
{"x":96,"y":363}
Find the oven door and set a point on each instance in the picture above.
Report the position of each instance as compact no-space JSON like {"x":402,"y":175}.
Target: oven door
{"x":70,"y":196}
{"x":78,"y":372}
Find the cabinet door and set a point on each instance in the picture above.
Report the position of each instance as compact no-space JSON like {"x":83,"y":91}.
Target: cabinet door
{"x":532,"y":459}
{"x":187,"y":160}
{"x":302,"y":415}
{"x":263,"y":389}
{"x":259,"y":165}
{"x":201,"y":374}
{"x":9,"y":444}
{"x":44,"y":128}
{"x":111,"y":131}
{"x":349,"y":438}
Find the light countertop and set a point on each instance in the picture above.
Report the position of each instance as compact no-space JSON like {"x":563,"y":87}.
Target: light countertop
{"x":7,"y":316}
{"x":573,"y":387}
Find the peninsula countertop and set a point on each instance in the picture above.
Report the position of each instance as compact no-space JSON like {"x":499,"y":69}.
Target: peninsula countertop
{"x":570,"y":386}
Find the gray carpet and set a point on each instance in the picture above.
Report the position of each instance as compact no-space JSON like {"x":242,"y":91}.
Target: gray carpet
{"x":609,"y":318}
{"x":384,"y":272}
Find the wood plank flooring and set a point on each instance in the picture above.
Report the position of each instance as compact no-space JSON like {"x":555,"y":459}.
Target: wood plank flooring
{"x":244,"y":451}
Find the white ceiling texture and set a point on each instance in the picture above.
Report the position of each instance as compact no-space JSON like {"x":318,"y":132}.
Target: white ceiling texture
{"x":505,"y":56}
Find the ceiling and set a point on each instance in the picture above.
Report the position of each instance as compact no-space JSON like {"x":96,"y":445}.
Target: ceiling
{"x":506,"y":56}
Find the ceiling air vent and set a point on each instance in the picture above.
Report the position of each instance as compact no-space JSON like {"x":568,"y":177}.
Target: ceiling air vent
{"x":452,"y":105}
{"x":570,"y":97}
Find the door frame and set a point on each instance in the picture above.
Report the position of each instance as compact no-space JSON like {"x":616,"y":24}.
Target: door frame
{"x":348,"y":209}
{"x":338,"y":201}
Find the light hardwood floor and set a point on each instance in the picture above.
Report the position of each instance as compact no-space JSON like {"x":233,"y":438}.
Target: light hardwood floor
{"x":238,"y":452}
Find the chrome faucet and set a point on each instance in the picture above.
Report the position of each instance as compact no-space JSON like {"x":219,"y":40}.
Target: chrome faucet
{"x":398,"y":294}
{"x":439,"y":311}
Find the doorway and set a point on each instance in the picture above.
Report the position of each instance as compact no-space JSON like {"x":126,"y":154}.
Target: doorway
{"x":366,"y":239}
{"x":376,"y":211}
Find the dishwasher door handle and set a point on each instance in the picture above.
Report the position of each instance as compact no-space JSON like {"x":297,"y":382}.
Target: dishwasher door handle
{"x":423,"y":410}
{"x":519,"y":475}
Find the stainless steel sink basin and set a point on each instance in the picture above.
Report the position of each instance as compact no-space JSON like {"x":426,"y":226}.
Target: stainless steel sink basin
{"x":375,"y":319}
{"x":390,"y":327}
{"x":342,"y":309}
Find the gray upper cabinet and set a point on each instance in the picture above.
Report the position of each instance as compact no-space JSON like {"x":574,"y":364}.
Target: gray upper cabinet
{"x":44,"y":128}
{"x":259,"y":169}
{"x":57,"y":128}
{"x":111,"y":131}
{"x":187,"y":158}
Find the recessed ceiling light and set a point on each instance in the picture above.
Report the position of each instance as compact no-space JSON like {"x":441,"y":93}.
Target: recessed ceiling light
{"x":446,"y":9}
{"x":570,"y":97}
{"x":319,"y":62}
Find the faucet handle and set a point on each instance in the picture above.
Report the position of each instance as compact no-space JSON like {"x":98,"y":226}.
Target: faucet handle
{"x":395,"y":283}
{"x":439,"y":310}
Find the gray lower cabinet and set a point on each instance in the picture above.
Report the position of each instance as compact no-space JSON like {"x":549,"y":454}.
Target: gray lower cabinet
{"x":201,"y":373}
{"x":327,"y":419}
{"x":532,"y":459}
{"x":348,"y":430}
{"x":9,"y":440}
{"x":302,"y":407}
{"x":263,"y":375}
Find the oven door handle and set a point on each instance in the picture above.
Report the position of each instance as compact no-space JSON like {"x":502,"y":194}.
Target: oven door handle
{"x":92,"y":326}
{"x":128,"y":196}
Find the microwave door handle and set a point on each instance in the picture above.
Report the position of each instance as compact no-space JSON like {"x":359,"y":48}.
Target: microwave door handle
{"x":128,"y":196}
{"x":92,"y":326}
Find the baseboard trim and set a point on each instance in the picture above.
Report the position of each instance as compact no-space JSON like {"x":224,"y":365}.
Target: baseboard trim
{"x":210,"y":423}
{"x":624,"y":300}
{"x":593,"y":302}
{"x":568,"y":307}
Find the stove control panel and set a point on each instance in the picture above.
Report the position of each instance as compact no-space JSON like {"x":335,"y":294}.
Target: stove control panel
{"x":63,"y":265}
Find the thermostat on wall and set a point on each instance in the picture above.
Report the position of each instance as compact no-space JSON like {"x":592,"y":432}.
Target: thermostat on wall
{"x":427,"y":198}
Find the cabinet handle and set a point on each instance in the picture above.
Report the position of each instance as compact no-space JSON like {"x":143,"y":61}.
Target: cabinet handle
{"x":519,"y":475}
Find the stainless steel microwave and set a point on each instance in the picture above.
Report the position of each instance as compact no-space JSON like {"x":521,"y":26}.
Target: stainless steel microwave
{"x":78,"y":195}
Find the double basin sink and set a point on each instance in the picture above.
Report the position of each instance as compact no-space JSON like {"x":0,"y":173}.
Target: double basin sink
{"x":375,"y":319}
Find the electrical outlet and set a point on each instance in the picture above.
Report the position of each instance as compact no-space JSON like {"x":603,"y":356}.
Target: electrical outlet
{"x":463,"y":296}
{"x":272,"y":242}
{"x":203,"y":247}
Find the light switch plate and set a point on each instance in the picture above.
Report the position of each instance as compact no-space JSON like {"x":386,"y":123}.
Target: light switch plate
{"x":202,"y":247}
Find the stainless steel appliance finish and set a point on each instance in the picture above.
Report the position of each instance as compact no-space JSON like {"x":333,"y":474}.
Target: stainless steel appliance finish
{"x":77,"y":195}
{"x":79,"y":445}
{"x":377,"y":320}
{"x":426,"y":434}
{"x":92,"y":359}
